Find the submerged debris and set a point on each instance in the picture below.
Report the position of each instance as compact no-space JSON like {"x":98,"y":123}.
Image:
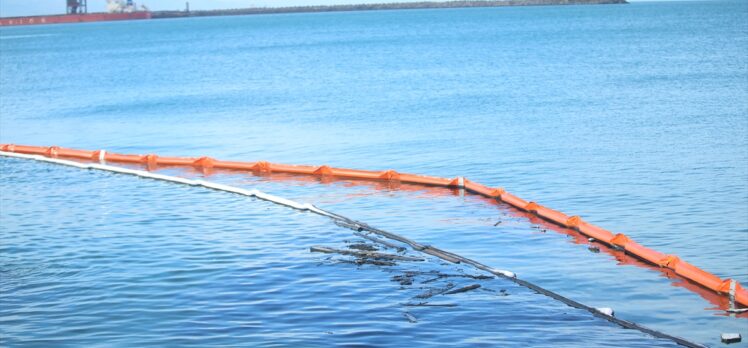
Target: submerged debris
{"x":434,"y":292}
{"x":501,"y":292}
{"x":363,"y":254}
{"x":365,"y":261}
{"x":463,"y":289}
{"x":362,"y":246}
{"x":445,"y":275}
{"x":417,"y":273}
{"x":431,"y":280}
{"x":429,"y":304}
{"x":403,"y":279}
{"x":380,"y":241}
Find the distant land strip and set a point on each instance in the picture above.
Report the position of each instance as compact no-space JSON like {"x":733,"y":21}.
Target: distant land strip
{"x":375,"y":7}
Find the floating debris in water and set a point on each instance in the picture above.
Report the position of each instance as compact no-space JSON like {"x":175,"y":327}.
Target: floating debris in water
{"x":363,"y":254}
{"x":380,"y":241}
{"x":463,"y":289}
{"x":429,"y":304}
{"x":444,"y":275}
{"x":731,"y":337}
{"x":501,"y":292}
{"x":403,"y":279}
{"x":362,"y":246}
{"x":365,"y":261}
{"x":431,"y":280}
{"x":434,"y":292}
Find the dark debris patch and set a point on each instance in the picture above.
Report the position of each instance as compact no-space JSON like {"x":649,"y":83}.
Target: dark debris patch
{"x":410,"y":317}
{"x":428,"y":282}
{"x":362,"y":246}
{"x":463,"y":289}
{"x":429,"y":304}
{"x":403,"y":279}
{"x":436,"y":291}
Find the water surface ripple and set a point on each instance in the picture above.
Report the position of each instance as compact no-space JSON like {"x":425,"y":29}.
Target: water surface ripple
{"x":633,"y":117}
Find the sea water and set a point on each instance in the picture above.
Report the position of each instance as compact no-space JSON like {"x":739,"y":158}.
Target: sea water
{"x":632,"y":116}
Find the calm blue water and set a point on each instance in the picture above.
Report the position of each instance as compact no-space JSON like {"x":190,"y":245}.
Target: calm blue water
{"x":633,"y":117}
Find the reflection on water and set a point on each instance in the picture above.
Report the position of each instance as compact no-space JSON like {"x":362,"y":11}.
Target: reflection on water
{"x":632,"y":117}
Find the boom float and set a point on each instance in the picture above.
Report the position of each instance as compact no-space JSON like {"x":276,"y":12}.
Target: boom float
{"x":729,"y":288}
{"x":604,"y":313}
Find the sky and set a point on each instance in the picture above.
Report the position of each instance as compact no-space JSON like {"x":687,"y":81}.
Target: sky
{"x":10,"y":8}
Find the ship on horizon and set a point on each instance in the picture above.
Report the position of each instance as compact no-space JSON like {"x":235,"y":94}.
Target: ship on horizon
{"x":77,"y":11}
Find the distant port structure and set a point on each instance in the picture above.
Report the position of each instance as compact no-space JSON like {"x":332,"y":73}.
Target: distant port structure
{"x":77,"y":6}
{"x":77,"y":10}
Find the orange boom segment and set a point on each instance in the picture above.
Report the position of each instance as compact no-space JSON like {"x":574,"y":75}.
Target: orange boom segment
{"x":644,"y":253}
{"x":175,"y":161}
{"x":73,"y":153}
{"x":479,"y":189}
{"x":423,"y":180}
{"x":113,"y":157}
{"x":697,"y":275}
{"x":598,"y":233}
{"x":290,"y":169}
{"x":356,"y":174}
{"x":514,"y":201}
{"x":551,"y":215}
{"x":34,"y":150}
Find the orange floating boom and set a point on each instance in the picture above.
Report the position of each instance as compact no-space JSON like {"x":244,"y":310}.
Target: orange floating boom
{"x":726,"y":287}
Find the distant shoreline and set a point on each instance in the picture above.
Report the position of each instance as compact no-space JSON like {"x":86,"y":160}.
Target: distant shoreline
{"x":376,"y":7}
{"x":102,"y":16}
